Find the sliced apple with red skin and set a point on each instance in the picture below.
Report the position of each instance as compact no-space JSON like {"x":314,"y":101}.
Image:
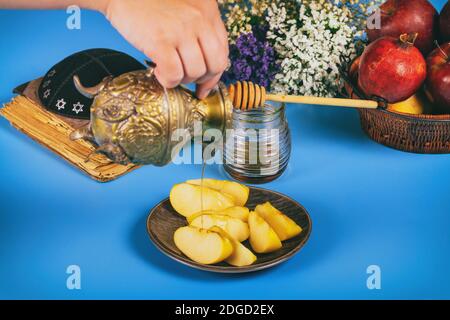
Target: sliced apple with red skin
{"x":201,"y":245}
{"x":263,"y":238}
{"x":238,"y":191}
{"x":240,"y":213}
{"x":284,"y":226}
{"x":234,"y":227}
{"x":241,"y":256}
{"x":187,"y":199}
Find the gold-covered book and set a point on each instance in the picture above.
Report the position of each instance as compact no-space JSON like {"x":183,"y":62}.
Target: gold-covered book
{"x":53,"y":132}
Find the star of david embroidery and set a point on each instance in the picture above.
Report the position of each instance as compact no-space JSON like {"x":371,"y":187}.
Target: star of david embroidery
{"x":77,"y":107}
{"x":60,"y":104}
{"x":46,"y":83}
{"x":46,"y":93}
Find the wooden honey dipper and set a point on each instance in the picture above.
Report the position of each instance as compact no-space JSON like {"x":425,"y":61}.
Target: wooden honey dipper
{"x":247,"y":95}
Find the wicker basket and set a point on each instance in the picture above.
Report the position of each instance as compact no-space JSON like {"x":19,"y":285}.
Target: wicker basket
{"x":406,"y":132}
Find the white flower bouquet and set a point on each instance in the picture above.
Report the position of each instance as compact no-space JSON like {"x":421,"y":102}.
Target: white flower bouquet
{"x":293,"y":46}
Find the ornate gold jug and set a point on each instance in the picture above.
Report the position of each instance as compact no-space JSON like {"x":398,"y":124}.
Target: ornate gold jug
{"x":133,"y":118}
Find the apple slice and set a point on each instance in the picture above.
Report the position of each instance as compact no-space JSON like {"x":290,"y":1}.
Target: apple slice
{"x":186,"y":199}
{"x":284,"y":226}
{"x":201,"y":245}
{"x":233,"y":212}
{"x":234,"y":227}
{"x":237,"y":212}
{"x":241,"y":255}
{"x":210,"y":183}
{"x":238,"y":191}
{"x":263,"y":238}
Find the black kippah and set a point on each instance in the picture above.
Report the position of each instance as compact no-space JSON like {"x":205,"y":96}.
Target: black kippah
{"x":57,"y":91}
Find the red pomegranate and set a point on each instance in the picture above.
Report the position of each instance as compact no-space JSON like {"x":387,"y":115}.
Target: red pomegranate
{"x":408,"y":16}
{"x":393,"y":69}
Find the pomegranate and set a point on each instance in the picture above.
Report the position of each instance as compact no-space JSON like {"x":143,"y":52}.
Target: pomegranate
{"x":393,"y":69}
{"x":408,"y":16}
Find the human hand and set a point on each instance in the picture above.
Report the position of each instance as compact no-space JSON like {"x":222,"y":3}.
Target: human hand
{"x":185,"y":38}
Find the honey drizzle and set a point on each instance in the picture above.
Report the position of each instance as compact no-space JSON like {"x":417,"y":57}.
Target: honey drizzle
{"x":201,"y":187}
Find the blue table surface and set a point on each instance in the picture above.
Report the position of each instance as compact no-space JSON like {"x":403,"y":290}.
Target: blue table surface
{"x":370,"y":205}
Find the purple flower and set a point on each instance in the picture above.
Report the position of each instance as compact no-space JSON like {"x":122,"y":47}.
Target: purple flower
{"x":252,"y":59}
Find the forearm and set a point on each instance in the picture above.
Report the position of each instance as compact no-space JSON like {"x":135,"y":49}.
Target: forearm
{"x":99,"y":5}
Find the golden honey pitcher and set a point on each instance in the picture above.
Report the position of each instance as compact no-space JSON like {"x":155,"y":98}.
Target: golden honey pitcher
{"x":133,"y":118}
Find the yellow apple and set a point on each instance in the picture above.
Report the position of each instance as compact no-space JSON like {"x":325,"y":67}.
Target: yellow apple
{"x":234,"y":227}
{"x":284,"y":226}
{"x":263,"y":238}
{"x":201,"y":245}
{"x":417,"y":104}
{"x":187,"y":199}
{"x":238,"y":191}
{"x":241,"y":255}
{"x":234,"y":212}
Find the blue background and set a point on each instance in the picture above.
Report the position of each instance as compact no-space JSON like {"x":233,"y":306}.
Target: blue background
{"x":369,"y":204}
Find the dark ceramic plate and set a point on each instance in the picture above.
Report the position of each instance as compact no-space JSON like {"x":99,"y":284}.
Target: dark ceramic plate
{"x":163,"y":220}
